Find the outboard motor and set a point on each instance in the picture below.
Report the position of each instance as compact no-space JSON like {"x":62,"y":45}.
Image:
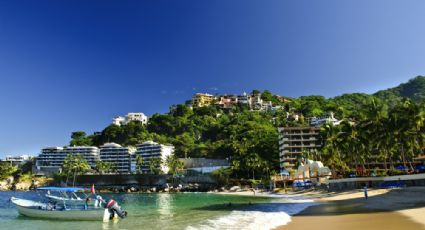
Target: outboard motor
{"x":113,"y":208}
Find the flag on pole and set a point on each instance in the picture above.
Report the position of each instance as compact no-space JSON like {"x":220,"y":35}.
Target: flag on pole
{"x":92,"y":189}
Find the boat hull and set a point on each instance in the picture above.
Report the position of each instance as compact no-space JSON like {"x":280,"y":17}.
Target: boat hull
{"x":62,"y":215}
{"x":39,"y":210}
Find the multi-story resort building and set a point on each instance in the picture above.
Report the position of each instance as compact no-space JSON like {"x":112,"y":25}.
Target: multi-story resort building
{"x":124,"y":120}
{"x":51,"y":158}
{"x":90,"y":153}
{"x":293,"y":141}
{"x":149,"y":150}
{"x":17,"y":160}
{"x":203,"y":99}
{"x":120,"y":157}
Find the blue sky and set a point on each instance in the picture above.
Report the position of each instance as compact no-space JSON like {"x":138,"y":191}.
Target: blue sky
{"x":73,"y":65}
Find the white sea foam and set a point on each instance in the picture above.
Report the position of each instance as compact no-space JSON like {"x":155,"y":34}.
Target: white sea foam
{"x":258,"y":216}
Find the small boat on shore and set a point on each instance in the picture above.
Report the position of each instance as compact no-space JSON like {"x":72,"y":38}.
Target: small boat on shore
{"x":68,"y":208}
{"x":35,"y":209}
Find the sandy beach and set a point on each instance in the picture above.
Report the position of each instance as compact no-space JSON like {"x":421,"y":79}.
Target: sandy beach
{"x":385,"y":209}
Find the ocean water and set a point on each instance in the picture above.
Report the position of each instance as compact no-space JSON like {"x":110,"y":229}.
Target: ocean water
{"x":171,"y":211}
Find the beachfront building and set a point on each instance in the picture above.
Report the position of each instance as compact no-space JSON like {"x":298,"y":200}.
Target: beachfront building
{"x":51,"y":159}
{"x":90,"y":153}
{"x":202,"y":99}
{"x":294,"y":141}
{"x":118,"y":156}
{"x":17,"y":160}
{"x":149,"y":150}
{"x":124,"y":120}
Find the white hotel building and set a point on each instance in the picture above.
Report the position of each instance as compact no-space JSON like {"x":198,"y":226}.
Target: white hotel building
{"x":51,"y":158}
{"x":149,"y":150}
{"x":120,"y":157}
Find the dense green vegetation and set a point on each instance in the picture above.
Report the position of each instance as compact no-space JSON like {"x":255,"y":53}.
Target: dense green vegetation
{"x":104,"y":167}
{"x":413,"y":89}
{"x":238,"y":135}
{"x":249,"y":139}
{"x":383,"y":138}
{"x":6,"y":170}
{"x":20,"y":173}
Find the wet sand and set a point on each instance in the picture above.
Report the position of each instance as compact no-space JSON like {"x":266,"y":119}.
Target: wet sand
{"x":320,"y":217}
{"x":385,"y":209}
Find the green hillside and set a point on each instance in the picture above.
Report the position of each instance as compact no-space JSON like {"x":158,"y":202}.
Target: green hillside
{"x":413,"y":89}
{"x":249,"y":139}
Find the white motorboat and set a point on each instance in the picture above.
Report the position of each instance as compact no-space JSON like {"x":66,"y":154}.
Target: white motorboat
{"x":58,"y":209}
{"x":45,"y":211}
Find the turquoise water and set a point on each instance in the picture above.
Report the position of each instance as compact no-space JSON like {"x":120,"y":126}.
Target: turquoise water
{"x":169,"y":211}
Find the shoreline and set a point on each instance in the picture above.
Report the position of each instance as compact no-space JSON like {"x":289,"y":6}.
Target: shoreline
{"x":385,"y":209}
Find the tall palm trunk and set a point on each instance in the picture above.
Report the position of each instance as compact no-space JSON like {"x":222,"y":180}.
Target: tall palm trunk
{"x":73,"y":181}
{"x":391,"y":163}
{"x":385,"y":164}
{"x":403,"y":157}
{"x":67,"y":177}
{"x":410,"y":165}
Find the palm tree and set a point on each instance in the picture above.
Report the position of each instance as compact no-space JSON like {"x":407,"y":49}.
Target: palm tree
{"x":332,"y":154}
{"x":253,"y":162}
{"x":414,"y":122}
{"x":383,"y":142}
{"x":104,"y":167}
{"x":236,"y":165}
{"x":404,"y":125}
{"x":139,"y":163}
{"x":174,"y":164}
{"x":154,"y":164}
{"x":75,"y":164}
{"x":349,"y":143}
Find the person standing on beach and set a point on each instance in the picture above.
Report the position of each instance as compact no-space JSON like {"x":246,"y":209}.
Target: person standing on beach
{"x":365,"y":192}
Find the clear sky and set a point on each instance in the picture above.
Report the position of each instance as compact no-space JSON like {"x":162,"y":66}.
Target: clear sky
{"x":73,"y":65}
